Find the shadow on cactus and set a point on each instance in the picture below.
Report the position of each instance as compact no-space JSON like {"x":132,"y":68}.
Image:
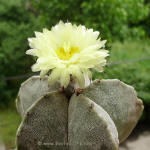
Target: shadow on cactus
{"x":63,"y":109}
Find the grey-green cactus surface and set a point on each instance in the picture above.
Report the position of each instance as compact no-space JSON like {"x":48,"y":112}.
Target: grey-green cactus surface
{"x":31,"y":90}
{"x":120,"y":102}
{"x":89,"y":126}
{"x":45,"y":124}
{"x":98,"y":117}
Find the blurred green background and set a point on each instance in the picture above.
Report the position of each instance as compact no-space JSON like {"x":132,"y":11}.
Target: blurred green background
{"x":124,"y":23}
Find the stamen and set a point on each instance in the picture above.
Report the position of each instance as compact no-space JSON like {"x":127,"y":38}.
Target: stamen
{"x":67,"y":54}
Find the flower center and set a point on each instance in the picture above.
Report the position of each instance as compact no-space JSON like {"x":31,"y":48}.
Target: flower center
{"x":66,"y":54}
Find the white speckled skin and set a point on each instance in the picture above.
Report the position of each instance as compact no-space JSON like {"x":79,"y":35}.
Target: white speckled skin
{"x":31,"y":90}
{"x":105,"y":111}
{"x":119,"y":100}
{"x":44,"y":124}
{"x":89,"y":126}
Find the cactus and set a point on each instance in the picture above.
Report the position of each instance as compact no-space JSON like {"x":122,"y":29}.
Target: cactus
{"x":44,"y":123}
{"x":120,"y":102}
{"x":89,"y":126}
{"x":31,"y":90}
{"x":98,"y":117}
{"x":63,"y":116}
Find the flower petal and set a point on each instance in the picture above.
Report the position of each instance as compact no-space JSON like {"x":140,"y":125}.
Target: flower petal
{"x":54,"y":76}
{"x":65,"y":78}
{"x":76,"y":72}
{"x":43,"y":73}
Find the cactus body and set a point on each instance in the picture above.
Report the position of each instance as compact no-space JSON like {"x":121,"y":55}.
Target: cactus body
{"x":31,"y":90}
{"x":61,"y":120}
{"x":119,"y":101}
{"x":90,"y":127}
{"x":44,"y":124}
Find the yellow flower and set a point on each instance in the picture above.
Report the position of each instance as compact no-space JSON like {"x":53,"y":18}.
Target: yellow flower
{"x":67,"y":50}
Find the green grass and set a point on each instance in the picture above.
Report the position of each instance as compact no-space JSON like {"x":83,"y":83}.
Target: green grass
{"x":9,"y":122}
